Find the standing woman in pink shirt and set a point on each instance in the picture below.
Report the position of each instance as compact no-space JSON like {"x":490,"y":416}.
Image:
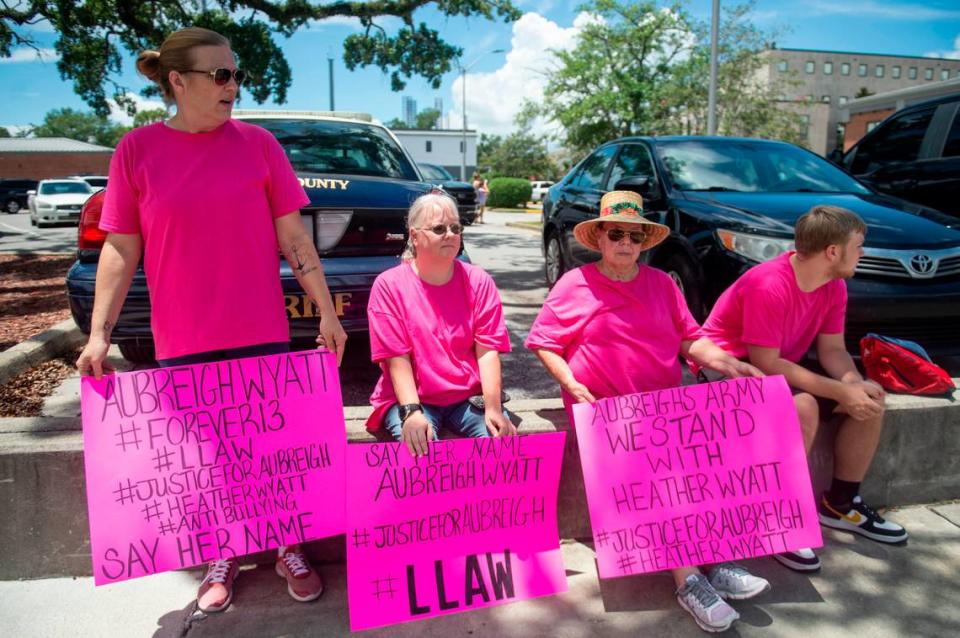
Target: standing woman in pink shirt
{"x":617,"y":327}
{"x":207,"y":201}
{"x":437,"y":331}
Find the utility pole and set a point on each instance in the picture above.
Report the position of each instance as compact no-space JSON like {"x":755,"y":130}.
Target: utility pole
{"x":330,"y":68}
{"x":712,"y":95}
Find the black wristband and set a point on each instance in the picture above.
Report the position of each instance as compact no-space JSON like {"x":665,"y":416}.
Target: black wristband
{"x":407,"y":410}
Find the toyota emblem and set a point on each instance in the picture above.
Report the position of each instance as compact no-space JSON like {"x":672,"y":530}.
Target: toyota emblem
{"x":921,"y":264}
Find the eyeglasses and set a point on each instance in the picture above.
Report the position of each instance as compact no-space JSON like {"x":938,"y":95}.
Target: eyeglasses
{"x":441,"y":229}
{"x":222,"y":76}
{"x":636,"y":236}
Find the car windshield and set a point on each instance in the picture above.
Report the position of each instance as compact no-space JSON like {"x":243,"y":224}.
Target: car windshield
{"x":435,"y":172}
{"x":750,"y":167}
{"x":64,"y":188}
{"x":341,"y":148}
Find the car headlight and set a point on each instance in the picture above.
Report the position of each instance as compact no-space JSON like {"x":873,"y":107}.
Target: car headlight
{"x":754,"y":247}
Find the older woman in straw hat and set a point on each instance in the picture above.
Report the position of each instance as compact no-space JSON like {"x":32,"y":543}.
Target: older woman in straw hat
{"x":617,"y":327}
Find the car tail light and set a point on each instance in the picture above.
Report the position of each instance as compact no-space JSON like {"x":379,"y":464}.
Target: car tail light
{"x":327,"y":227}
{"x":90,"y":237}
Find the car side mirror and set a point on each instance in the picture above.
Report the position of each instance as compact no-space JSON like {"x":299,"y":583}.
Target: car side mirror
{"x":646,"y":187}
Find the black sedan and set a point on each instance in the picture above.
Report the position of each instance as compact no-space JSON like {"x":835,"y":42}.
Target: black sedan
{"x":464,"y":193}
{"x":732,"y":203}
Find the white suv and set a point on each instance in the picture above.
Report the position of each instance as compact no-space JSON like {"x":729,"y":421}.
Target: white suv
{"x":539,"y":189}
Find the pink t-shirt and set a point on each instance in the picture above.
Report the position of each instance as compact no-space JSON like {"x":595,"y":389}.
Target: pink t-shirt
{"x":765,"y":307}
{"x":439,"y":327}
{"x":617,"y":337}
{"x":205,"y":205}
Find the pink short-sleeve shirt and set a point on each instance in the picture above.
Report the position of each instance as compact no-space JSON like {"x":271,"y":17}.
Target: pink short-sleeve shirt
{"x":617,"y":337}
{"x":765,"y":307}
{"x":439,"y":327}
{"x":205,"y":205}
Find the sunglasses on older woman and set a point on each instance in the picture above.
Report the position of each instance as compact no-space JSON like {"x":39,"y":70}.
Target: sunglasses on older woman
{"x":223,"y":75}
{"x":636,"y":236}
{"x":441,"y":229}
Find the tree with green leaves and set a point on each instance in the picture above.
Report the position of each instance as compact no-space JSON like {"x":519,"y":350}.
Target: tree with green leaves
{"x":640,"y":69}
{"x":81,"y":126}
{"x":428,"y":119}
{"x":520,"y":154}
{"x":94,"y":37}
{"x":149,"y":116}
{"x":4,"y":132}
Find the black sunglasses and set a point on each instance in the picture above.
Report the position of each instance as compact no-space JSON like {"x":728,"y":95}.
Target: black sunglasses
{"x":222,"y":76}
{"x":636,"y":236}
{"x":441,"y":229}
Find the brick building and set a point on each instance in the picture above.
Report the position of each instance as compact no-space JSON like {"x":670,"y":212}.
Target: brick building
{"x":807,"y":79}
{"x":43,"y":157}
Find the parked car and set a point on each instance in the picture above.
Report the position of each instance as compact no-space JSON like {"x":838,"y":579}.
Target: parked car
{"x":464,"y":193}
{"x":97,"y":182}
{"x":13,"y":194}
{"x":57,"y":201}
{"x":732,"y":203}
{"x":539,"y":189}
{"x":914,"y":154}
{"x":360,"y":182}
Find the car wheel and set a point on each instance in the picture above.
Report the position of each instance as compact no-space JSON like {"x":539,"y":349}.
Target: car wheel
{"x":136,"y":353}
{"x":683,"y":274}
{"x":12,"y":206}
{"x":553,"y":261}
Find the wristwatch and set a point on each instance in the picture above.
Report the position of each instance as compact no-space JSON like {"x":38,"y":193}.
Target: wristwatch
{"x":408,"y":409}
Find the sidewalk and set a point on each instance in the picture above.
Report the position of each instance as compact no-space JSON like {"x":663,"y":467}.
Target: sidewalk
{"x":865,"y":589}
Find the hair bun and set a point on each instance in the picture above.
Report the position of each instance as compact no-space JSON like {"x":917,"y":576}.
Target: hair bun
{"x":148,"y":65}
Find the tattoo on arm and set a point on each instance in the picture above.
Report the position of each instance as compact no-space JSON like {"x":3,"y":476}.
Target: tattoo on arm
{"x":301,"y":260}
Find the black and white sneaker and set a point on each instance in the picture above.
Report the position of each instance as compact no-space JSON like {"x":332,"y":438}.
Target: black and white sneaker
{"x":799,"y":560}
{"x":863,"y":520}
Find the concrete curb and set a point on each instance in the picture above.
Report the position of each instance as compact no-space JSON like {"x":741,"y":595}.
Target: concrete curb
{"x":39,"y":348}
{"x":524,"y":227}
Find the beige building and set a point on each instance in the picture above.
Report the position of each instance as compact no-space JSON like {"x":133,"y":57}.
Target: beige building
{"x":808,"y":79}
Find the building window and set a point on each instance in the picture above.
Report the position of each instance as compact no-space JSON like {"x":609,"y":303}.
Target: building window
{"x":782,"y":66}
{"x":862,"y":70}
{"x":895,"y":72}
{"x":928,"y":74}
{"x":878,"y":70}
{"x":944,"y":74}
{"x":828,"y":68}
{"x":825,"y":99}
{"x":844,"y":68}
{"x":912,"y":73}
{"x":429,"y":146}
{"x":805,"y":125}
{"x":461,"y":146}
{"x":842,"y":100}
{"x":872,"y":125}
{"x":810,"y":67}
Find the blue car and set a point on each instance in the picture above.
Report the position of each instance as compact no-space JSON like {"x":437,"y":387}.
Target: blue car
{"x":360,"y":182}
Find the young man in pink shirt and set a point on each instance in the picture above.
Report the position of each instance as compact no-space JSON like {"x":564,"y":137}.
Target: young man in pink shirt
{"x":771,"y":316}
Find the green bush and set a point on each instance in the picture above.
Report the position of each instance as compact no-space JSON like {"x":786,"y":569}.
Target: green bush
{"x":508,"y":192}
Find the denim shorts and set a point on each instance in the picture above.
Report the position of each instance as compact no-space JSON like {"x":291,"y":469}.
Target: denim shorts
{"x":461,"y":418}
{"x":211,"y":356}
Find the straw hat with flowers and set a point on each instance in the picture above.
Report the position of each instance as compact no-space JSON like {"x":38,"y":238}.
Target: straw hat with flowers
{"x":620,"y":207}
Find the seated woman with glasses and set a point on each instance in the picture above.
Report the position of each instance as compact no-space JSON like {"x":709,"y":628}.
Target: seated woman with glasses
{"x":437,"y":331}
{"x":617,"y":327}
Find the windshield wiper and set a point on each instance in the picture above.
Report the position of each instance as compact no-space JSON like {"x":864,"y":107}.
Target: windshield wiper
{"x":715,"y":189}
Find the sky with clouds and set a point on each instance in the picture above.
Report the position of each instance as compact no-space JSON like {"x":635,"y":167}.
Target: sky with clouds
{"x":497,"y":83}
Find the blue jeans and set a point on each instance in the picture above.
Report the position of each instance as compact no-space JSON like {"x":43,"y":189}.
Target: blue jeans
{"x":211,"y":356}
{"x":461,"y":418}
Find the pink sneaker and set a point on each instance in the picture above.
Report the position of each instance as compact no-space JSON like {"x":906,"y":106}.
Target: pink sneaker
{"x":216,"y":588}
{"x":303,"y":582}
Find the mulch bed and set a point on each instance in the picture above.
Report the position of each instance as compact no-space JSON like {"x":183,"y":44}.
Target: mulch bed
{"x":24,"y":394}
{"x":33,"y":295}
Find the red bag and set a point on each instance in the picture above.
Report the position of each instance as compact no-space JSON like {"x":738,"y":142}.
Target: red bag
{"x":902,"y":366}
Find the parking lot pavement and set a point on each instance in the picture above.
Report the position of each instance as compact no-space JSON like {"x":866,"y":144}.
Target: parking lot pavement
{"x":18,"y":236}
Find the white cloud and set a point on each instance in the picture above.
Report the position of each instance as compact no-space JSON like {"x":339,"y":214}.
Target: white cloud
{"x":119,"y":114}
{"x":495,"y":98}
{"x":16,"y":129}
{"x":950,"y":55}
{"x":876,"y":9}
{"x":27,"y":55}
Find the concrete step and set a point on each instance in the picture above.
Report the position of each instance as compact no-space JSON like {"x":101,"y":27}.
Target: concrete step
{"x":864,"y":589}
{"x":42,"y":481}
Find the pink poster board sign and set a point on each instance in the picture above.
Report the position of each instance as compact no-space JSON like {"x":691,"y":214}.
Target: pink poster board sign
{"x":470,"y":525}
{"x":190,"y":464}
{"x":697,"y":474}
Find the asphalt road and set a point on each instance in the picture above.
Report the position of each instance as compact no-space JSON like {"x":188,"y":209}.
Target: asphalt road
{"x":18,"y":236}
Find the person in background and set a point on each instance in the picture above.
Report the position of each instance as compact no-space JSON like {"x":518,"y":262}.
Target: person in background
{"x":483,"y":189}
{"x":207,"y":201}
